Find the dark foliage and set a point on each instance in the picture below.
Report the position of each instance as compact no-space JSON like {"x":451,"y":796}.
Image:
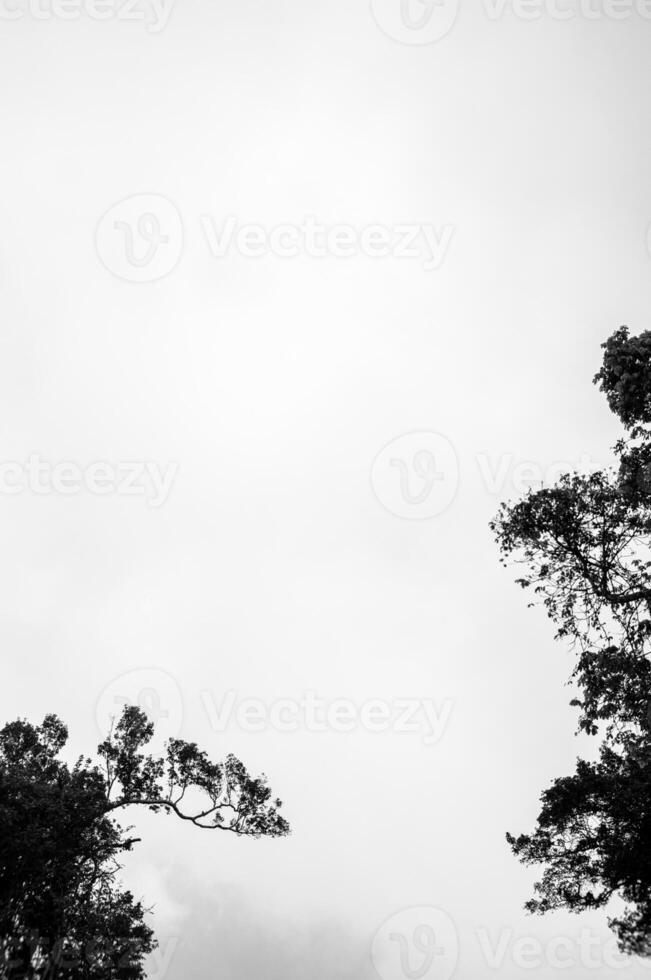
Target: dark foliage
{"x":63,"y":911}
{"x":585,"y":548}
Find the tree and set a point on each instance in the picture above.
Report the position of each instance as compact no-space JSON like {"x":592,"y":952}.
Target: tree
{"x":585,"y":548}
{"x":63,"y":911}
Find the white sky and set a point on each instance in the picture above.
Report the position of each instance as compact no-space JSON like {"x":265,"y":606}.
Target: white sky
{"x":272,"y":569}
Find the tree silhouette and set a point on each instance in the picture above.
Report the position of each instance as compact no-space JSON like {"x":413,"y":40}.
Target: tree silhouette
{"x":585,"y":548}
{"x":63,"y":912}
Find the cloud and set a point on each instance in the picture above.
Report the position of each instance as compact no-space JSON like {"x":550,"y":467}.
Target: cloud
{"x":228,"y":935}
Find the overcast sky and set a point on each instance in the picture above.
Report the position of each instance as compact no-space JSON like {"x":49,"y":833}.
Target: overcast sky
{"x":316,"y":280}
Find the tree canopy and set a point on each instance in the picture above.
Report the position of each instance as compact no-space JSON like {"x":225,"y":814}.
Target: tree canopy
{"x":64,"y":913}
{"x":584,"y":546}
